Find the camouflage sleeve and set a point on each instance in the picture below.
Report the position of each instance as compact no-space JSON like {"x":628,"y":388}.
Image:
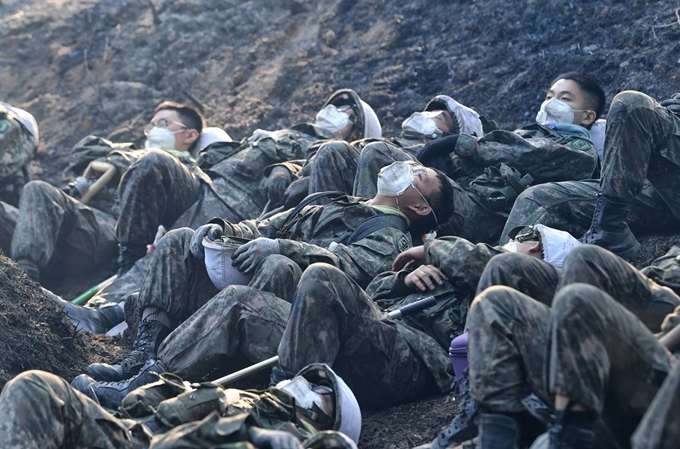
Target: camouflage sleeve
{"x":361,"y":261}
{"x":389,"y":285}
{"x":460,"y":260}
{"x":546,"y":159}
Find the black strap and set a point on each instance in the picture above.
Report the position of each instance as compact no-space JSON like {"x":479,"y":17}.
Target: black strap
{"x":375,"y":223}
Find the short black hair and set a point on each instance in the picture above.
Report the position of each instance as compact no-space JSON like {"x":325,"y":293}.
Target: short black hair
{"x":441,"y":203}
{"x":189,"y":115}
{"x":591,"y":89}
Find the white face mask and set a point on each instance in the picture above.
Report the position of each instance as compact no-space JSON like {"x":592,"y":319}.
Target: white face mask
{"x":421,"y":124}
{"x":301,"y":390}
{"x":161,"y":138}
{"x":332,"y":119}
{"x":394,"y":179}
{"x":556,"y":111}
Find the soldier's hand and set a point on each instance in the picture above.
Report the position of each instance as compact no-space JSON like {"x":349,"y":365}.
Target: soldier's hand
{"x":425,"y":277}
{"x":409,"y":258}
{"x":276,"y":183}
{"x":261,"y":134}
{"x":211,"y":230}
{"x":247,"y":257}
{"x":275,"y":439}
{"x":672,"y":104}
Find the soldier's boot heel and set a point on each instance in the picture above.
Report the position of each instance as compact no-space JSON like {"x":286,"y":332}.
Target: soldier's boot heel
{"x":609,"y":230}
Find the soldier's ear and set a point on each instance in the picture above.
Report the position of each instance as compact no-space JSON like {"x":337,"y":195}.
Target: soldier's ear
{"x":422,"y":209}
{"x":535,"y":248}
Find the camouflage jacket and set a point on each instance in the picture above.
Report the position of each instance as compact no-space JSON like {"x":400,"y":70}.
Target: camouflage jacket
{"x":316,"y":232}
{"x":18,"y":147}
{"x":463,"y":263}
{"x":545,"y":154}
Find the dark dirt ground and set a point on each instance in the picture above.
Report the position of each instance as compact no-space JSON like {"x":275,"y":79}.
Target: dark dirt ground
{"x":100,"y":66}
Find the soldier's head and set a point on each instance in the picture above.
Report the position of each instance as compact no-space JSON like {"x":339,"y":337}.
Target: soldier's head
{"x":324,"y":400}
{"x":348,"y":117}
{"x":423,"y":194}
{"x":441,"y":116}
{"x":573,"y":98}
{"x":174,"y":126}
{"x":541,"y":242}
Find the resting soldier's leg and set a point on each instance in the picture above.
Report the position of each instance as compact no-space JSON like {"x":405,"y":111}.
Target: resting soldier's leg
{"x":334,"y":168}
{"x":596,"y":266}
{"x":277,"y":274}
{"x":238,"y":321}
{"x":373,"y":157}
{"x":41,"y":411}
{"x":659,"y":427}
{"x":507,"y":348}
{"x":529,"y":275}
{"x":333,"y":321}
{"x":8,"y":220}
{"x":52,"y":223}
{"x":177,"y":286}
{"x":603,"y":363}
{"x":154,"y":191}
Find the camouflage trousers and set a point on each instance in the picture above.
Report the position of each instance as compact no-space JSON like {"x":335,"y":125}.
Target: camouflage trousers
{"x":8,"y":220}
{"x":588,"y":348}
{"x":61,"y":234}
{"x":334,"y":167}
{"x":239,"y":324}
{"x":154,"y":191}
{"x":333,"y":321}
{"x":178,"y":283}
{"x":587,"y":264}
{"x":659,"y":427}
{"x":40,"y":410}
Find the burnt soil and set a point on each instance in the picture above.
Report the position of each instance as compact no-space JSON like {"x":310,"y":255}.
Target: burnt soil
{"x":100,"y":66}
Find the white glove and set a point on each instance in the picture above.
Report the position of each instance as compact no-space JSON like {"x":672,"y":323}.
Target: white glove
{"x":261,"y":134}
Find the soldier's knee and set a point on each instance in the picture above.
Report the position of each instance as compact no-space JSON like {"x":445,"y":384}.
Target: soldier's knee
{"x":629,"y":100}
{"x":150,"y":161}
{"x":37,"y":188}
{"x":318,"y":275}
{"x":30,"y":382}
{"x":573,"y":299}
{"x":174,"y":238}
{"x":491,"y":298}
{"x":583,"y":254}
{"x":332,"y":151}
{"x":277,"y":264}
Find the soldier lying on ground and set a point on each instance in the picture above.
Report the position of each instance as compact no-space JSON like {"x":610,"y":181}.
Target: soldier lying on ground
{"x":334,"y":166}
{"x":360,"y":237}
{"x":41,"y":410}
{"x":638,"y":187}
{"x":18,"y":145}
{"x":600,"y":314}
{"x":154,"y":193}
{"x":58,"y":233}
{"x":555,"y":148}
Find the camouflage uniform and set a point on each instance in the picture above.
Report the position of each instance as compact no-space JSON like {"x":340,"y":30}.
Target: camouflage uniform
{"x":18,"y":147}
{"x":41,"y":410}
{"x":63,"y":235}
{"x":384,"y":362}
{"x":180,"y":284}
{"x":8,"y":220}
{"x":601,"y":357}
{"x":641,"y":167}
{"x":225,"y":183}
{"x":545,"y":154}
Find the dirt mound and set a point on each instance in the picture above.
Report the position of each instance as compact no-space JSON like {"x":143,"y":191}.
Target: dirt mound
{"x":35,"y":332}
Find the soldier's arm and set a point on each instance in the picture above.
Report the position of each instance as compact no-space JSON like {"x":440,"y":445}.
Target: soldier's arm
{"x":461,"y":261}
{"x":361,"y":261}
{"x":544,"y":158}
{"x":670,"y":330}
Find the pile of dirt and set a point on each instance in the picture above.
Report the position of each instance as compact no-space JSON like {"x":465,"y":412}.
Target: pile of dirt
{"x":35,"y":332}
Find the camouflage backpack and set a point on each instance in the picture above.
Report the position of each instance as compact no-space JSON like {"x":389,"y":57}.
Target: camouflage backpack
{"x":498,"y":187}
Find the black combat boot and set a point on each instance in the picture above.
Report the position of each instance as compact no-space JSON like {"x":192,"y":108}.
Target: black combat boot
{"x":572,"y":430}
{"x":150,"y":335}
{"x":110,"y":394}
{"x":97,"y":321}
{"x":128,"y":254}
{"x":608,"y":229}
{"x":30,"y":268}
{"x":497,"y":431}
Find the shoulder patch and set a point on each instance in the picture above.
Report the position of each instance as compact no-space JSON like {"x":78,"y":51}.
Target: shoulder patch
{"x":580,"y":144}
{"x":402,"y":243}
